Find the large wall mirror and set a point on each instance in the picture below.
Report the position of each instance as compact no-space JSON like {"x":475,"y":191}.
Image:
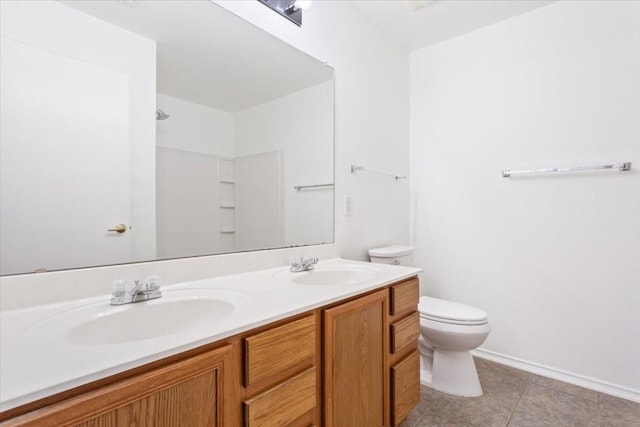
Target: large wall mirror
{"x":143,"y":130}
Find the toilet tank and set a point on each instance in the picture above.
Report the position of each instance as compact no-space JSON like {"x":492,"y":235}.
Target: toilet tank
{"x":394,"y":255}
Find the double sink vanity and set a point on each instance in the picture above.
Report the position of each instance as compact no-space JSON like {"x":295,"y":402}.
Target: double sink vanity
{"x":336,"y":345}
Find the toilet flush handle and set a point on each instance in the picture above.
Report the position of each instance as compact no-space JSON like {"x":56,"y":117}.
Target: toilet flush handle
{"x":395,"y":262}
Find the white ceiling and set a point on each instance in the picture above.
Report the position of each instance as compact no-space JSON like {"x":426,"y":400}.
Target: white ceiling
{"x":209,"y":56}
{"x":212,"y":57}
{"x":419,"y":23}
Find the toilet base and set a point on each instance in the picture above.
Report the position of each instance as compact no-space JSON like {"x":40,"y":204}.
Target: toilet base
{"x":453,"y":373}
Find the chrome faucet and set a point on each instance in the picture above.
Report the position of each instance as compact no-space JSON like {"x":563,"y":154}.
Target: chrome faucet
{"x":303,"y":263}
{"x":140,"y":291}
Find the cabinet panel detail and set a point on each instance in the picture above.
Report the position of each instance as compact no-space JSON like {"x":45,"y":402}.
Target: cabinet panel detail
{"x":187,"y":392}
{"x":405,"y":386}
{"x":404,"y":297}
{"x":354,"y":357}
{"x":191,"y":402}
{"x":284,"y":403}
{"x":405,"y":332}
{"x":280,"y":352}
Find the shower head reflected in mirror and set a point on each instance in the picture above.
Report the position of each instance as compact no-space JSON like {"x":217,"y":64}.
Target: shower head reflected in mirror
{"x":161,"y":115}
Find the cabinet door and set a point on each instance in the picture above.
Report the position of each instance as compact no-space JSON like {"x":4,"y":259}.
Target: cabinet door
{"x":354,"y":356}
{"x":184,"y":393}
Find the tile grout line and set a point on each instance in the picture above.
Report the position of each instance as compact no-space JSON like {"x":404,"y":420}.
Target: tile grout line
{"x":429,"y":410}
{"x":515,"y":408}
{"x":567,"y":393}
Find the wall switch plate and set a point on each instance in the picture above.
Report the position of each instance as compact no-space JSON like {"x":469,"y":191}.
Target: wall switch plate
{"x":348,"y":205}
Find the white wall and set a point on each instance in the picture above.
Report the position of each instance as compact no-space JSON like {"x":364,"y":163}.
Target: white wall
{"x":190,"y":143}
{"x":371,"y":115}
{"x":259,"y":202}
{"x":194,"y":127}
{"x":188,"y":203}
{"x":554,"y":260}
{"x":107,"y":46}
{"x":282,"y":124}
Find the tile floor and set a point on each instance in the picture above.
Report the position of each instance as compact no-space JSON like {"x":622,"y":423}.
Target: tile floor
{"x":517,"y":398}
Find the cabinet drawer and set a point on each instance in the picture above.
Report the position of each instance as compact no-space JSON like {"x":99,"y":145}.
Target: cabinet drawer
{"x":405,"y":386}
{"x":284,"y":403}
{"x":404,"y":297}
{"x":278,"y":353}
{"x":405,"y":332}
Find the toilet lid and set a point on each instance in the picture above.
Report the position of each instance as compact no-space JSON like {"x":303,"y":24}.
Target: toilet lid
{"x":392,"y":251}
{"x":450,"y":312}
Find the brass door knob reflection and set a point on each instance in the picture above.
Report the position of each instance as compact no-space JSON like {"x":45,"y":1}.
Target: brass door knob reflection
{"x":119,"y":228}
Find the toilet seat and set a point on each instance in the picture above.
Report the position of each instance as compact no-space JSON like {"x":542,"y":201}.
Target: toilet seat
{"x":444,"y":311}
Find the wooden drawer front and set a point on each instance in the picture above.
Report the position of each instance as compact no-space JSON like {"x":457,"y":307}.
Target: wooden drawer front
{"x":405,"y":332}
{"x":405,"y":387}
{"x":284,"y":403}
{"x":404,"y":297}
{"x":278,"y":353}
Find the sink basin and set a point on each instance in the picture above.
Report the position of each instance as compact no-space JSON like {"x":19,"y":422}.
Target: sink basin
{"x":176,"y":311}
{"x":333,"y":276}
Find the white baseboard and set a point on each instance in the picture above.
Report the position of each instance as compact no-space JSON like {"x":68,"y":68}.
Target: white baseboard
{"x":558,"y":374}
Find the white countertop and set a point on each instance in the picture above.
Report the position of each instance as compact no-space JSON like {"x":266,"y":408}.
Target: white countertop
{"x":37,"y":361}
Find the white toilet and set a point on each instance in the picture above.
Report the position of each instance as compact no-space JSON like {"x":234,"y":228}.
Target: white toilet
{"x":448,"y":332}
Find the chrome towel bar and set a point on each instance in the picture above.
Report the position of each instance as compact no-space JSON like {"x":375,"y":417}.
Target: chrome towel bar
{"x":625,"y":166}
{"x":319,"y":186}
{"x":355,"y":169}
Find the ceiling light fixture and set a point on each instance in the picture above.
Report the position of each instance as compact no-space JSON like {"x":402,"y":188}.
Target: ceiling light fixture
{"x":290,"y":9}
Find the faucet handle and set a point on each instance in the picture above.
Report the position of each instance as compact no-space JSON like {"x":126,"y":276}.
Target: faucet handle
{"x":151,"y":283}
{"x":309,"y":260}
{"x":302,"y":263}
{"x":119,"y":288}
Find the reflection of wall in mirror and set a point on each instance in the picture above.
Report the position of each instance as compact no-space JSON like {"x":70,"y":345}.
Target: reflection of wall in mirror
{"x":203,"y":210}
{"x":194,"y":127}
{"x":187,"y":203}
{"x":209,"y":201}
{"x":50,"y":28}
{"x":259,"y":203}
{"x":189,"y":145}
{"x":267,"y":211}
{"x":301,"y":124}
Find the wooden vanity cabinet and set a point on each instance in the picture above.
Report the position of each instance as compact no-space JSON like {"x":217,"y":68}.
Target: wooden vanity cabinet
{"x":189,"y":392}
{"x":353,"y":363}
